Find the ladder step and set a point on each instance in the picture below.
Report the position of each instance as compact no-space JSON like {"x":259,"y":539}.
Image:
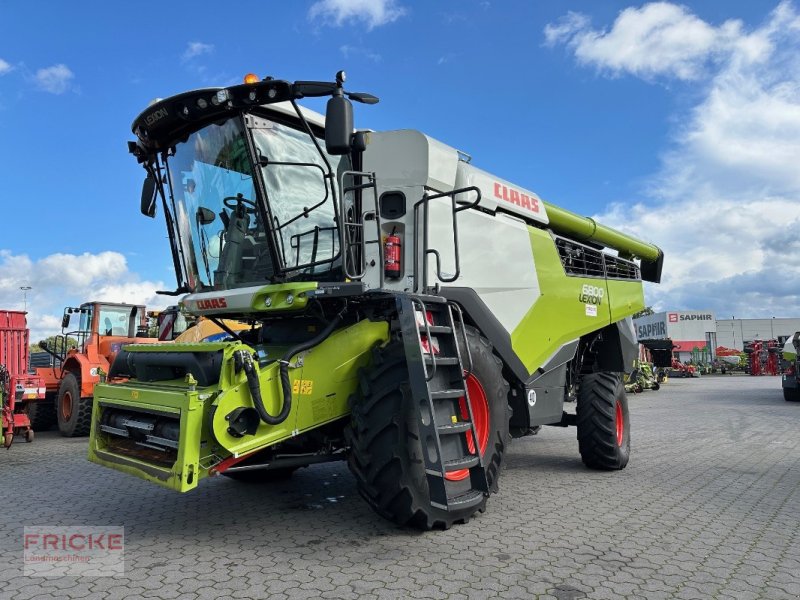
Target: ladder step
{"x":436,"y":329}
{"x":461,"y":427}
{"x":466,"y":500}
{"x":466,"y":462}
{"x":444,"y":394}
{"x":441,"y":360}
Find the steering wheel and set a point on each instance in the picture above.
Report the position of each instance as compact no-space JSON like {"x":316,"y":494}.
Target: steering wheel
{"x":233,"y":202}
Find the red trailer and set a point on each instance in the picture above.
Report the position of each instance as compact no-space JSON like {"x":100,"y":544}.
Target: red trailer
{"x":18,"y":385}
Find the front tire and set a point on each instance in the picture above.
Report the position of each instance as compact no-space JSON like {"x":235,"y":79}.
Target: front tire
{"x":386,"y":455}
{"x":74,"y":413}
{"x":791,"y":394}
{"x":603,"y":422}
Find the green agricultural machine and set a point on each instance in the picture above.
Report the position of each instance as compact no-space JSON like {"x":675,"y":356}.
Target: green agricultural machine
{"x":641,"y":378}
{"x":408,"y":312}
{"x":790,"y":380}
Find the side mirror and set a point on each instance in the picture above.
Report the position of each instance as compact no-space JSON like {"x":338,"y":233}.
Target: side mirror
{"x":359,"y":143}
{"x":205,"y":216}
{"x":149,"y":197}
{"x":65,"y":321}
{"x":338,"y":125}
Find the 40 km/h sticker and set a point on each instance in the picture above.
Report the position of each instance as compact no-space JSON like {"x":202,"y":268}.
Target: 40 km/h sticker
{"x":591,"y":310}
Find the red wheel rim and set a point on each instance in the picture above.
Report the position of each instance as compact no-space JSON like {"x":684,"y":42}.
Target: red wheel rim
{"x":66,"y":406}
{"x":480,"y":417}
{"x":620,"y":424}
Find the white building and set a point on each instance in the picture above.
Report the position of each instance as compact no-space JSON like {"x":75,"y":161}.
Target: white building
{"x":732,"y":333}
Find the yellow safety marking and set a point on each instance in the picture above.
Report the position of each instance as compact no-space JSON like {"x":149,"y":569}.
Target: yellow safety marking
{"x":303,"y":387}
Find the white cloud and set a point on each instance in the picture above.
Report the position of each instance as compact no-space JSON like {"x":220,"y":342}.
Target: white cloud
{"x":195,"y":49}
{"x":61,"y":280}
{"x":659,"y":38}
{"x":725,"y":206}
{"x":5,"y":67}
{"x":56,"y":79}
{"x":373,"y":13}
{"x":359,"y":51}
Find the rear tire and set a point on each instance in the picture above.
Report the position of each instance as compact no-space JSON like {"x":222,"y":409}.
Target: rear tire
{"x":603,"y":422}
{"x":42,"y":413}
{"x":385,"y":452}
{"x":74,"y":413}
{"x":791,"y":394}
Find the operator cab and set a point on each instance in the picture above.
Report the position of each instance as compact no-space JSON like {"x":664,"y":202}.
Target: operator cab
{"x":249,"y":182}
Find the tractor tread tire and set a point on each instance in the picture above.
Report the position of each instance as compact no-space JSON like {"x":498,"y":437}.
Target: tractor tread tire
{"x":80,"y":421}
{"x":42,"y":413}
{"x":596,"y":421}
{"x":791,"y":394}
{"x":385,"y":452}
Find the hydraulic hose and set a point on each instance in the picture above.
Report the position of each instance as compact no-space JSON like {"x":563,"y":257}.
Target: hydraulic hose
{"x":286,"y":385}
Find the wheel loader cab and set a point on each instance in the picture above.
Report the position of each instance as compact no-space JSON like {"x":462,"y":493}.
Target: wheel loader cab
{"x":104,"y":319}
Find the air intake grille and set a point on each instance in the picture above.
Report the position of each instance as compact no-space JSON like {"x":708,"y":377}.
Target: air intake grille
{"x":583,"y":261}
{"x":618,"y":268}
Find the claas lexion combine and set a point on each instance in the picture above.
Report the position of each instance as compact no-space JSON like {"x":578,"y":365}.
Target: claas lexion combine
{"x":408,"y":312}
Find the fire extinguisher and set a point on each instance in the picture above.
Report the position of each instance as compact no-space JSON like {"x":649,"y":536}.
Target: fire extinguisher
{"x":392,"y":249}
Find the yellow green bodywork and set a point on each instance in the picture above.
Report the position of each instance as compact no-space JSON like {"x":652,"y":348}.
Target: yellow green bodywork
{"x":323,"y":377}
{"x":322,"y":380}
{"x":560,"y":315}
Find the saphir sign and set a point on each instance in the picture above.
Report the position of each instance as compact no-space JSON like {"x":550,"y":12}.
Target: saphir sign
{"x":652,"y":331}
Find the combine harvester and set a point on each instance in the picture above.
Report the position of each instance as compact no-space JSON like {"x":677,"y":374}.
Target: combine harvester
{"x":408,"y":311}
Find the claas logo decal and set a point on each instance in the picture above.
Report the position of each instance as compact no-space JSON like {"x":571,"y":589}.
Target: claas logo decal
{"x":212,"y":303}
{"x":513,"y":196}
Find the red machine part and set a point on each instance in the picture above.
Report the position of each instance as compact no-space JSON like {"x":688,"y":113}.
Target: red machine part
{"x":763,"y":357}
{"x":773,"y":364}
{"x":754,"y":357}
{"x":17,"y":384}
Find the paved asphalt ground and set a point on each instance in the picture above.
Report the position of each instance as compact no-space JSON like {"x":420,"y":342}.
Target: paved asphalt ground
{"x":709,"y":507}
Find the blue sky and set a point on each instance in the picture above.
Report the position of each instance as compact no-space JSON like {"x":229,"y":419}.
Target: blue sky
{"x":677,"y":122}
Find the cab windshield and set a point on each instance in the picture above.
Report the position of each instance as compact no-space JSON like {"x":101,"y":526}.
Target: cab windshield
{"x":117,"y":320}
{"x":220,"y":232}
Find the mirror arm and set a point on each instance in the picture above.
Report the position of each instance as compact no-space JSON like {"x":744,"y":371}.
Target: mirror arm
{"x":178,"y":292}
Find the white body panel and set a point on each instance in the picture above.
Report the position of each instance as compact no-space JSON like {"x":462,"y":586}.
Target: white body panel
{"x":409,"y":158}
{"x":496,"y":257}
{"x":499,"y":192}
